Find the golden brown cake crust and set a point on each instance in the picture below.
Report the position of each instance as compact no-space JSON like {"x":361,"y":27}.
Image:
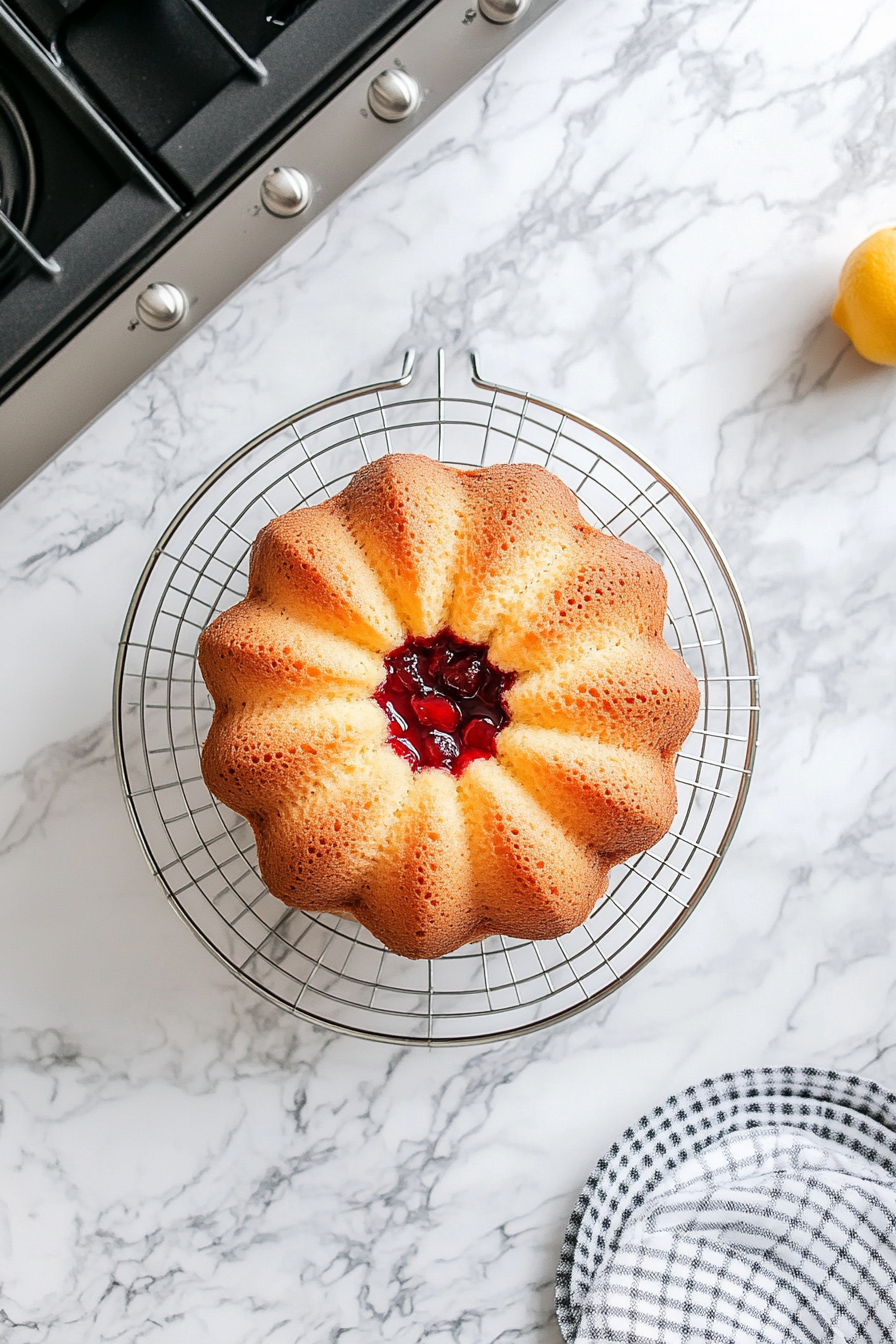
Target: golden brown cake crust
{"x":584,"y":773}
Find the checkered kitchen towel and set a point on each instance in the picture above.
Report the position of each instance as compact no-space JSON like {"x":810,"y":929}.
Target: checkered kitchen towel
{"x":755,"y":1208}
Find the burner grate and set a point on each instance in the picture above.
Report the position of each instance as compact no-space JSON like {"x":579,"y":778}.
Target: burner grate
{"x":18,"y":182}
{"x":331,"y":970}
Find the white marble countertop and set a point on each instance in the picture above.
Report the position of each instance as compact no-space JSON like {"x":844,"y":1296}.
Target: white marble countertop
{"x":640,"y":212}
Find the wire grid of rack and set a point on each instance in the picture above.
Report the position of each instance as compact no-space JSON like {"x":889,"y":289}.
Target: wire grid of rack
{"x":329,"y":969}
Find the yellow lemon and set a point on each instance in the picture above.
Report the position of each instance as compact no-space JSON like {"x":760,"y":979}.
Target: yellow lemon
{"x":866,"y":304}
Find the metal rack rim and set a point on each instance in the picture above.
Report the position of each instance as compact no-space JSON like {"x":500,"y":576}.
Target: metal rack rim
{"x":738,"y":802}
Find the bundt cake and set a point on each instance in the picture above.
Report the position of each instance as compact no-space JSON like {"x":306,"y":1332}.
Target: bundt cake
{"x":446,"y":706}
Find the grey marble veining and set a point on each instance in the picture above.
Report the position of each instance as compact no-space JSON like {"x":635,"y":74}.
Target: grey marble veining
{"x":641,"y":213}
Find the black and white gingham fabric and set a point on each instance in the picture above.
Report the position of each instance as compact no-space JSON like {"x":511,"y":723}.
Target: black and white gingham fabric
{"x":755,"y":1208}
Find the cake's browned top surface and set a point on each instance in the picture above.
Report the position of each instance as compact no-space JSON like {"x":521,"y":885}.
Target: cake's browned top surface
{"x":490,"y":569}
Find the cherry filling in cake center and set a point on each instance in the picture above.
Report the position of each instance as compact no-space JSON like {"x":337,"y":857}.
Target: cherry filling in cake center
{"x":444,"y":701}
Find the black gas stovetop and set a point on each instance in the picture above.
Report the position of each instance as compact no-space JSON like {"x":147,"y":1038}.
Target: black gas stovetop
{"x":155,"y":153}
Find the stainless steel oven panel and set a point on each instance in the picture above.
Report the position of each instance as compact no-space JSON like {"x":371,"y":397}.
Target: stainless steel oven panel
{"x":445,"y":49}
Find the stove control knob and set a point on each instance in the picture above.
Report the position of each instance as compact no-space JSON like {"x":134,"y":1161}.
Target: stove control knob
{"x":285,"y":192}
{"x":161,"y":306}
{"x":393,"y":95}
{"x":503,"y":11}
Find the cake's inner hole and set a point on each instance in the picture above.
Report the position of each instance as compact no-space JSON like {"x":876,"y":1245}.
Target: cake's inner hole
{"x":444,"y":701}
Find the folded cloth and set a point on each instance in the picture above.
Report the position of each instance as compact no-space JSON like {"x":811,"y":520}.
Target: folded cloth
{"x":755,"y":1208}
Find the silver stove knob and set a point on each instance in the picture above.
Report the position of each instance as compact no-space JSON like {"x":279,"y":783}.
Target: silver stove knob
{"x":161,"y":306}
{"x":285,"y":192}
{"x":393,"y":95}
{"x":503,"y":11}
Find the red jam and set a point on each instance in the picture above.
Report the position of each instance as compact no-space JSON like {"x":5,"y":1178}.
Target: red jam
{"x":444,"y":701}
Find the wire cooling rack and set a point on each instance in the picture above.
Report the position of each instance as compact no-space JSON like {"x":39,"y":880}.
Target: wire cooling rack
{"x":331,"y":970}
